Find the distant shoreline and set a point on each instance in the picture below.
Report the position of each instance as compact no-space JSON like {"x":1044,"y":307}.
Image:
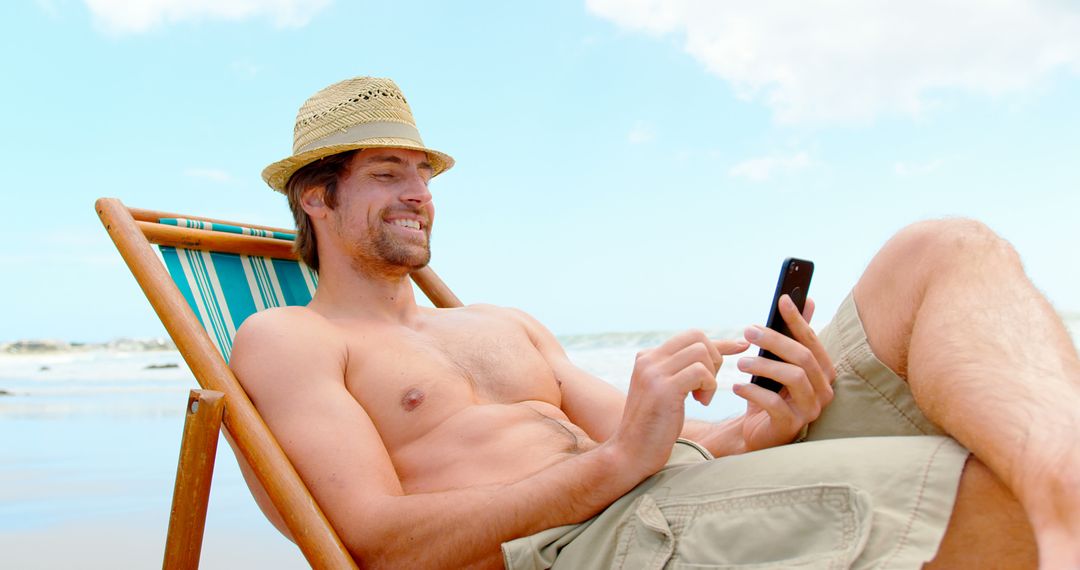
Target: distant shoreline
{"x":124,"y":344}
{"x":53,"y":346}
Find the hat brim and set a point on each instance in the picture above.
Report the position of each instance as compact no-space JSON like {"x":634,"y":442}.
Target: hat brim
{"x":277,"y":175}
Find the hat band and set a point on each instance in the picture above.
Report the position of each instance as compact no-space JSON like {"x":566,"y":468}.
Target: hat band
{"x":356,"y":133}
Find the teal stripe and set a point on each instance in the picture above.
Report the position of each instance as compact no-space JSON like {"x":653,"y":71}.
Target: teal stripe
{"x":314,"y":276}
{"x":203,"y":286}
{"x":231,"y":282}
{"x":292,"y":282}
{"x":262,"y":281}
{"x":233,"y":286}
{"x":172,"y":263}
{"x":227,"y":228}
{"x":205,"y":283}
{"x":204,"y":314}
{"x":273,"y":283}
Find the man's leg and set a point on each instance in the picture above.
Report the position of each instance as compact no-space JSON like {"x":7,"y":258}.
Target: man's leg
{"x":988,"y":528}
{"x":947,"y":305}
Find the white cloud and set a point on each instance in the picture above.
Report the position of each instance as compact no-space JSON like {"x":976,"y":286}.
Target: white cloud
{"x":139,"y":16}
{"x":763,"y":168}
{"x":211,"y":174}
{"x":640,"y":133}
{"x":836,"y":60}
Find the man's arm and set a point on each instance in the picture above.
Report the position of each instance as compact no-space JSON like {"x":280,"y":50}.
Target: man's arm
{"x":771,"y":419}
{"x":595,"y":405}
{"x":293,"y":369}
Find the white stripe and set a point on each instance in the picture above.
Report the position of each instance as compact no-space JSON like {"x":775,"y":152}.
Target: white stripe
{"x":198,"y":291}
{"x":219,"y":294}
{"x":259,"y":271}
{"x":310,"y":278}
{"x":274,"y":282}
{"x":252,"y":281}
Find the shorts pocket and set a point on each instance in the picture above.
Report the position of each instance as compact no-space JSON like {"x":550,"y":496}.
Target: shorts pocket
{"x":644,"y":540}
{"x":815,"y":526}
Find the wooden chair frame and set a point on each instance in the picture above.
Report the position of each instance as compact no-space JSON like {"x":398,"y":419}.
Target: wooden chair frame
{"x":223,"y":400}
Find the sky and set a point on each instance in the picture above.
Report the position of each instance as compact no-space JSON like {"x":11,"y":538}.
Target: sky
{"x":622,"y":165}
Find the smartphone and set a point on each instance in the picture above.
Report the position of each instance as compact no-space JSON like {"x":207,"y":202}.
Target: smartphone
{"x":794,"y":281}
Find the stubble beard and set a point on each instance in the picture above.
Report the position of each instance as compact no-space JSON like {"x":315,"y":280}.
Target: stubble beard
{"x":381,"y":252}
{"x":386,"y":254}
{"x":393,"y":253}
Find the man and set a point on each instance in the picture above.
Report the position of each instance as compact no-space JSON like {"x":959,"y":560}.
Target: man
{"x":465,"y":437}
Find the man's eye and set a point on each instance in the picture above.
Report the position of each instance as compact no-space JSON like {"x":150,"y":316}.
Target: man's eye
{"x":383,"y":175}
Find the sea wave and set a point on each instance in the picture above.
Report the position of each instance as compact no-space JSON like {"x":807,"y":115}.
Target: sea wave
{"x":116,"y":382}
{"x":635,"y":340}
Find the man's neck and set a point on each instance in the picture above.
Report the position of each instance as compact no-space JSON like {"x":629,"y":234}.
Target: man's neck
{"x":351,"y":292}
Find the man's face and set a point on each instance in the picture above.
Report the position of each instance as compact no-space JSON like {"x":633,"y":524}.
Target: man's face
{"x":384,"y":210}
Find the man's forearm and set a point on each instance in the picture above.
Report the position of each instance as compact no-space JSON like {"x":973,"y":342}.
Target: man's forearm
{"x":466,"y":527}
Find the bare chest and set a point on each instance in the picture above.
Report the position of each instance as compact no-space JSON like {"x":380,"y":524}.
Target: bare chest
{"x":410,"y":382}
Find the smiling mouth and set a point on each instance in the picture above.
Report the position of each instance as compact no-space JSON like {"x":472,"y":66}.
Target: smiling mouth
{"x":410,"y":224}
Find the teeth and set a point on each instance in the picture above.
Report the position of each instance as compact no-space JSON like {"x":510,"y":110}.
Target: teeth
{"x":411,"y":224}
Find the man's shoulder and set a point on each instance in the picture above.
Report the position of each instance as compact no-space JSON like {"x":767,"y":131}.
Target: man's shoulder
{"x":281,"y":320}
{"x":275,"y":347}
{"x":282,"y":330}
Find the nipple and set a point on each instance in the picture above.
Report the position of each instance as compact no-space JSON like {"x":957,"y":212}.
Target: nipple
{"x":413,"y":398}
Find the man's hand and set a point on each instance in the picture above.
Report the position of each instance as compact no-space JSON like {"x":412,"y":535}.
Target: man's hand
{"x":654,"y":414}
{"x":806,"y":372}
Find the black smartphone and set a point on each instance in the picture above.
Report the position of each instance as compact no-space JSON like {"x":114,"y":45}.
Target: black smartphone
{"x":794,"y":281}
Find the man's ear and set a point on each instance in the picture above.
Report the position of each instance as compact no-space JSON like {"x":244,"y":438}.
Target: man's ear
{"x":313,"y":201}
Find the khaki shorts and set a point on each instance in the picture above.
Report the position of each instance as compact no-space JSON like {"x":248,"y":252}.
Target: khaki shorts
{"x":871,"y":485}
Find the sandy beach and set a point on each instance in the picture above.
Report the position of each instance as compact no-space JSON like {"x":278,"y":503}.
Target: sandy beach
{"x":137,"y":540}
{"x":89,"y":459}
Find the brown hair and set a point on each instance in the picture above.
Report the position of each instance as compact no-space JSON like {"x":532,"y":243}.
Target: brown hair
{"x":325,"y":172}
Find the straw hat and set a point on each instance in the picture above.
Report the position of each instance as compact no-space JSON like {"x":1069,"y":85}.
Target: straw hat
{"x":363,"y":112}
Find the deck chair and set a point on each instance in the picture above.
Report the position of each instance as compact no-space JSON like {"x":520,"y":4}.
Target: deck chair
{"x":210,"y":276}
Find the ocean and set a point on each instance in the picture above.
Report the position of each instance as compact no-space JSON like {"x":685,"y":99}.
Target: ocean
{"x":90,"y":440}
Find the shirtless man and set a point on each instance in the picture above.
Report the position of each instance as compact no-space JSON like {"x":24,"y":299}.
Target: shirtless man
{"x":433,"y":437}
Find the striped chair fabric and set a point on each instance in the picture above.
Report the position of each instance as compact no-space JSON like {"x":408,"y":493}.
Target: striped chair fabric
{"x":223,"y":289}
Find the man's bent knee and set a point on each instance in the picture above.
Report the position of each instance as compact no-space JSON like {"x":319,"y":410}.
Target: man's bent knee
{"x":939,"y":245}
{"x":893,"y":287}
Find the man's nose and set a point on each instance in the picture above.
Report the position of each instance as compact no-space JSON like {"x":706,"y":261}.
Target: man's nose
{"x":416,"y":191}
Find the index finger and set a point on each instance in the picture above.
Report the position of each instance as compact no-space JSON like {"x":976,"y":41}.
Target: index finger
{"x":688,"y":338}
{"x":715,"y":348}
{"x":731,"y":346}
{"x":681,"y":341}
